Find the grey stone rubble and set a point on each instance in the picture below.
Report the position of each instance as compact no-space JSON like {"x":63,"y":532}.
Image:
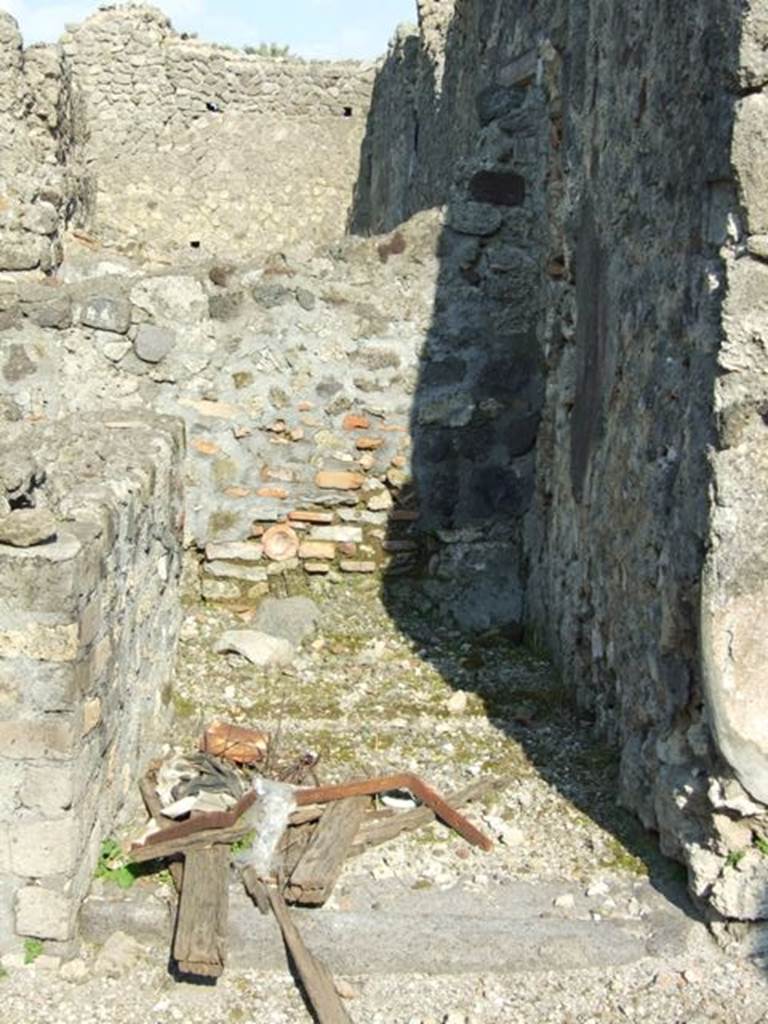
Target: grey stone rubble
{"x":537,"y":393}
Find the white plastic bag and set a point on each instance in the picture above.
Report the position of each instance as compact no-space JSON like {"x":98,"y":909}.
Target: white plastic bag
{"x":269,"y":819}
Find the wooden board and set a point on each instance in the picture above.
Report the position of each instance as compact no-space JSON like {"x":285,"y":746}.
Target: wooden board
{"x":200,"y":941}
{"x":315,"y":977}
{"x":314,"y":877}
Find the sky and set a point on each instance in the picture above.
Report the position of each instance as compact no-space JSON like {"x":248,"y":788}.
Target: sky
{"x":312,"y":28}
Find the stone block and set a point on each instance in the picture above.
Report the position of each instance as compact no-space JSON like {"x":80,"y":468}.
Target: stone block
{"x":105,"y":313}
{"x":48,"y":789}
{"x":41,"y":642}
{"x":30,"y":739}
{"x":43,"y":848}
{"x":44,"y":913}
{"x":471,"y":218}
{"x":152,"y":344}
{"x":337,"y":534}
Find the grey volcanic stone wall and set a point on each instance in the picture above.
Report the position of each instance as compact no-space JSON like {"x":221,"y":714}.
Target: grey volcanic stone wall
{"x":178,"y":143}
{"x":88,"y":627}
{"x":616,"y":291}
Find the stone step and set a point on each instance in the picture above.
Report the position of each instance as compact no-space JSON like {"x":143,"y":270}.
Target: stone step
{"x":384,"y":928}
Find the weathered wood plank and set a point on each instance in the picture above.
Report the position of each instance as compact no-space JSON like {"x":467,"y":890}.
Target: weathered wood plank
{"x":200,"y":941}
{"x":154,"y":810}
{"x":315,"y":977}
{"x":314,"y":877}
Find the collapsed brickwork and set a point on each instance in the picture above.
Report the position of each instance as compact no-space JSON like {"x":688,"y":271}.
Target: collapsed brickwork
{"x":543,"y":388}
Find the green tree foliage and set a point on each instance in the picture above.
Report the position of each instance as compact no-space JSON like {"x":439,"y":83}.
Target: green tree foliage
{"x":269,"y":50}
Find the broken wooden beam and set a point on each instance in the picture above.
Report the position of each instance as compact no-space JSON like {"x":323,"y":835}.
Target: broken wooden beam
{"x":315,"y":875}
{"x":200,"y":937}
{"x":315,"y":978}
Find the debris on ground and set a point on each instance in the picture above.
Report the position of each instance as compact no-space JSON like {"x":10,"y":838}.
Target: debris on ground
{"x":234,"y":801}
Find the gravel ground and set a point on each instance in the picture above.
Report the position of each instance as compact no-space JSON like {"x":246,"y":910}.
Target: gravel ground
{"x":375,"y":695}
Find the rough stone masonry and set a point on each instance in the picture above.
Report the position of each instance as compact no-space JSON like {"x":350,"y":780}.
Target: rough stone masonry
{"x":541,"y":389}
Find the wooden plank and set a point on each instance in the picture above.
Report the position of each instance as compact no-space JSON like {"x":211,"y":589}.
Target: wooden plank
{"x":154,"y":809}
{"x":200,"y":941}
{"x":188,"y":844}
{"x":314,"y":976}
{"x":314,"y":877}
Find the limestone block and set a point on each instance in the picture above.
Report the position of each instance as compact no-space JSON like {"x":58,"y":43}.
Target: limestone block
{"x":43,"y":848}
{"x":30,"y":739}
{"x":171,"y":300}
{"x":47,"y":789}
{"x":41,"y":218}
{"x":742,"y":890}
{"x":750,"y":157}
{"x":44,"y":913}
{"x":40,"y":642}
{"x":20,"y":251}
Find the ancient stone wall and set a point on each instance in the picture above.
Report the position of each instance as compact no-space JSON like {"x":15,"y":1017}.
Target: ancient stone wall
{"x":177,"y":144}
{"x":89,"y":615}
{"x":603,"y":250}
{"x":30,"y":177}
{"x":293,"y":377}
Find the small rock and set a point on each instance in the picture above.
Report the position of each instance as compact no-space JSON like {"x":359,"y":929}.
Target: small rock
{"x":26,"y":527}
{"x":306,"y":299}
{"x":290,"y":618}
{"x":380,"y":502}
{"x":597,"y":889}
{"x":107,"y":314}
{"x":119,"y":954}
{"x":153,"y":343}
{"x":564,"y":902}
{"x":75,"y":971}
{"x":457,"y":704}
{"x":260,"y":649}
{"x":345,"y":989}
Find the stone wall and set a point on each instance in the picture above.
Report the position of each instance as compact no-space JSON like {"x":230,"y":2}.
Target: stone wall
{"x":603,"y":260}
{"x":169,"y":144}
{"x":30,"y":176}
{"x":89,"y":615}
{"x":293,"y":377}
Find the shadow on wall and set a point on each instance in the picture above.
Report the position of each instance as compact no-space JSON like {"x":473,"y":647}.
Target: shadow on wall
{"x":564,"y":405}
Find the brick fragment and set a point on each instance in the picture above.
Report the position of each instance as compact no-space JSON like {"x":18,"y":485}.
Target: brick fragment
{"x":273,"y":492}
{"x":368,"y":444}
{"x":359,"y":567}
{"x":317,"y":568}
{"x":205,"y":447}
{"x":317,"y":549}
{"x":310,"y":516}
{"x":338,"y":480}
{"x":353,"y":421}
{"x":237,"y":492}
